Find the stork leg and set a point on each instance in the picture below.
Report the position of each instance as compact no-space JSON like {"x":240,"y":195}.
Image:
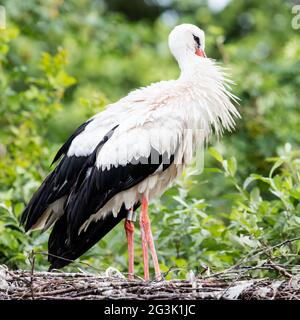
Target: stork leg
{"x":147,"y":239}
{"x":129,"y":229}
{"x":145,"y":248}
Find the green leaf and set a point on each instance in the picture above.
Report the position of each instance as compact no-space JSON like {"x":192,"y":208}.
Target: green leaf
{"x":18,"y":208}
{"x":276,"y":165}
{"x":181,"y":201}
{"x":215,"y":154}
{"x":232,"y":166}
{"x":255,"y":195}
{"x":248,"y":181}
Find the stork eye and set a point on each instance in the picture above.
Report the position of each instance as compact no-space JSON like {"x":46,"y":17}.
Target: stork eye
{"x":197,"y":40}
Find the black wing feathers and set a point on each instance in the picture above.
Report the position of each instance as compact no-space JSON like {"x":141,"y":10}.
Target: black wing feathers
{"x":60,"y":248}
{"x":57,"y":184}
{"x":65,"y":147}
{"x":98,"y":186}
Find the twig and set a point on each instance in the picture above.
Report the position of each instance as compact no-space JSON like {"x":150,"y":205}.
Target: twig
{"x":32,"y":262}
{"x":69,"y":260}
{"x":254,"y":254}
{"x":281,"y":270}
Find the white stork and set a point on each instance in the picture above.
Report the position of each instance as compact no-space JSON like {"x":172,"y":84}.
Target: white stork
{"x":129,"y":154}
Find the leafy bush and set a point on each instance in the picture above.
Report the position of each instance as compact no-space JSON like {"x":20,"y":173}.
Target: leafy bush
{"x":258,"y":219}
{"x":26,"y":106}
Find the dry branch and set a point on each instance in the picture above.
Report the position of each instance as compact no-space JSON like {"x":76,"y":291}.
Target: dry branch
{"x":80,"y":286}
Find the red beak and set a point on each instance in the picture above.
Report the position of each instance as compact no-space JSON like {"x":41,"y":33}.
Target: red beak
{"x":200,"y":53}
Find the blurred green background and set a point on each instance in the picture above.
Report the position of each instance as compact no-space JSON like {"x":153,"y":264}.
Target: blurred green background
{"x":62,"y":61}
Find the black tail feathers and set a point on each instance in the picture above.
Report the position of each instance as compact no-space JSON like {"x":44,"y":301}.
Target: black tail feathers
{"x":63,"y":251}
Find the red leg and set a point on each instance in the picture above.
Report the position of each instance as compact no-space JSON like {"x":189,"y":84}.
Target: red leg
{"x":145,"y":249}
{"x":147,"y":233}
{"x":129,"y":229}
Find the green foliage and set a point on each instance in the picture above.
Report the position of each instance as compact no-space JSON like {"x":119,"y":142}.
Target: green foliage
{"x":256,"y":220}
{"x":63,"y":61}
{"x":26,"y":105}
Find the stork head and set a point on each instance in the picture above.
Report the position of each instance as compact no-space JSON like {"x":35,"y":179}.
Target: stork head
{"x":187,"y":40}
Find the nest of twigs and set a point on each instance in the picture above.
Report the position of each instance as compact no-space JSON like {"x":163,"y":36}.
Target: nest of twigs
{"x":22,"y":285}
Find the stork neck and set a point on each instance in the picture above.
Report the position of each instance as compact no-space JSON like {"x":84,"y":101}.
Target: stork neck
{"x":188,"y":64}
